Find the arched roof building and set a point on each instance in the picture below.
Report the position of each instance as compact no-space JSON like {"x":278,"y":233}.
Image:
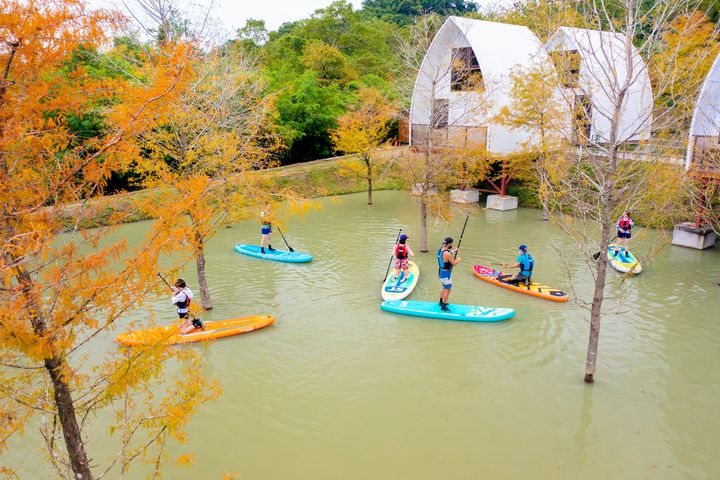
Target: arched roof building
{"x":703,"y":153}
{"x":463,"y":83}
{"x":593,"y":67}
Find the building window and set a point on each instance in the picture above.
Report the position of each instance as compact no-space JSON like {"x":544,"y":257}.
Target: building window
{"x":439,"y":118}
{"x":582,"y":119}
{"x":465,"y":72}
{"x":567,"y":64}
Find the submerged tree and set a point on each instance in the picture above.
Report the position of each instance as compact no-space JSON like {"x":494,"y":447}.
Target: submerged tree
{"x":207,"y":149}
{"x":62,"y":288}
{"x":361,"y":132}
{"x":614,"y":167}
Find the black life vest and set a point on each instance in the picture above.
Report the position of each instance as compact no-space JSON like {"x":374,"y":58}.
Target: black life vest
{"x":401,"y":251}
{"x":183,"y":303}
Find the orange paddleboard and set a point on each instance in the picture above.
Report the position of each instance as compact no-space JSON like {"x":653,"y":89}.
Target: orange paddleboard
{"x":535,"y":289}
{"x":170,"y":335}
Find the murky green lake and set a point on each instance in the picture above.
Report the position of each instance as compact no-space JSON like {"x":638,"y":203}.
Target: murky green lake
{"x":337,"y":389}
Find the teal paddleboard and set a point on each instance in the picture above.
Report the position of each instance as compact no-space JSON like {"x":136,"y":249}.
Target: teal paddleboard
{"x":275,"y":255}
{"x":465,"y":313}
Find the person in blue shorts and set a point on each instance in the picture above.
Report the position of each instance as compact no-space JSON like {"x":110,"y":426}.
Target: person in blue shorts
{"x":526,"y":264}
{"x":266,"y":228}
{"x":446,"y":262}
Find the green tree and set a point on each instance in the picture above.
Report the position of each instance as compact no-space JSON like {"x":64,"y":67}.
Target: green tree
{"x":404,"y":12}
{"x":307,"y":111}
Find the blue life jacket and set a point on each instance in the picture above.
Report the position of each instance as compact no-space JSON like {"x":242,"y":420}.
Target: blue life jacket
{"x":442,"y":263}
{"x":526,"y":264}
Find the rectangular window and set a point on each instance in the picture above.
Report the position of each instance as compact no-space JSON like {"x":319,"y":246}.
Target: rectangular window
{"x":440,"y":109}
{"x":582,"y":119}
{"x":465,"y":74}
{"x":567,"y":64}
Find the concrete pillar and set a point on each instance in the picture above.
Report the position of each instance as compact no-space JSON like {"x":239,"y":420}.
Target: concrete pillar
{"x":471,"y":195}
{"x":501,"y":202}
{"x":686,"y":234}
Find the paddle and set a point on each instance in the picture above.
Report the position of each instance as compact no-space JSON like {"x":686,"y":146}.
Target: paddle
{"x":391,"y":256}
{"x":165,"y":281}
{"x":461,"y":235}
{"x":283,"y":237}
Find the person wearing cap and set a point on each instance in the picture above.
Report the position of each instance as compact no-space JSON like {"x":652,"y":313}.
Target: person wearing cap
{"x":182,"y":295}
{"x":446,"y":262}
{"x":525,"y":262}
{"x":402,"y":253}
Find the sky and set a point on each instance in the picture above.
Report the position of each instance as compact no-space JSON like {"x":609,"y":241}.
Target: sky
{"x":233,"y":13}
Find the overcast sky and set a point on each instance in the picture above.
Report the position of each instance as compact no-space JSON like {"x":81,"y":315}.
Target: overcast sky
{"x":232,"y":14}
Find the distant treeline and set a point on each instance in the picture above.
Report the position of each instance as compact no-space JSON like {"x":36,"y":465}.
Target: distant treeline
{"x":314,"y":67}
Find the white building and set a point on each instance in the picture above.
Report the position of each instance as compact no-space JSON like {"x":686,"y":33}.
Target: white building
{"x":703,"y":152}
{"x":593,"y":67}
{"x":463,"y":83}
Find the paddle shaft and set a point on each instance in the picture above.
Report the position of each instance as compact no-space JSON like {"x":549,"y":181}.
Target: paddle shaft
{"x":397,"y":240}
{"x":165,"y":281}
{"x":283,"y":237}
{"x":461,"y":236}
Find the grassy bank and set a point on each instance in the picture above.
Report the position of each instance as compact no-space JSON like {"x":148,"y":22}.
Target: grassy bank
{"x":311,"y":179}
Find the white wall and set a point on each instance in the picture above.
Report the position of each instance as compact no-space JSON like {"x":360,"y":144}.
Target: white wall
{"x":499,"y":48}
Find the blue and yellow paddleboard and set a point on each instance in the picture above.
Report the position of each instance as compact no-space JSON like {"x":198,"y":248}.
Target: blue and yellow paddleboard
{"x":397,"y":289}
{"x":622,"y":260}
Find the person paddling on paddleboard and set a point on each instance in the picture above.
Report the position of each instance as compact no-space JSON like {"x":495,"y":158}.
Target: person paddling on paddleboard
{"x":402,"y":253}
{"x":446,"y":262}
{"x":624,"y":226}
{"x":526,"y":264}
{"x":266,"y":229}
{"x":182,"y":295}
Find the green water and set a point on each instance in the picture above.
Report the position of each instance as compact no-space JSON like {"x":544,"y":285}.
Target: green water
{"x":337,"y":389}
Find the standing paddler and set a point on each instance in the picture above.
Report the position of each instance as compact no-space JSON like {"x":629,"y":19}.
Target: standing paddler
{"x":266,"y":228}
{"x":446,"y":262}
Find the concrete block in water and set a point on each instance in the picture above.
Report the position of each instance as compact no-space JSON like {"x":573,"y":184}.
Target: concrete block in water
{"x":470,"y":195}
{"x":502,"y":202}
{"x":686,"y":234}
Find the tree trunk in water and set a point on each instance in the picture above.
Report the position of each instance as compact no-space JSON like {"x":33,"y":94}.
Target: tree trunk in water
{"x":545,"y":210}
{"x":369,"y":191}
{"x":596,"y":308}
{"x":423,"y":225}
{"x":68,"y":420}
{"x":205,"y":300}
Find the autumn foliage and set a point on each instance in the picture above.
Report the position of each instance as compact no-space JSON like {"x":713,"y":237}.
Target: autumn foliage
{"x":62,"y":288}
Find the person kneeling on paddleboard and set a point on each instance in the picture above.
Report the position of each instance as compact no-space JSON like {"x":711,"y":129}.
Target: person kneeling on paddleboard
{"x":525,"y":262}
{"x":402,"y":252}
{"x":182,"y":295}
{"x":266,"y":228}
{"x":446,"y":262}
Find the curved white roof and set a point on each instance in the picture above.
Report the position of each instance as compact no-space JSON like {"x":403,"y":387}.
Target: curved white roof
{"x":499,"y":48}
{"x":603,"y":72}
{"x":706,"y":117}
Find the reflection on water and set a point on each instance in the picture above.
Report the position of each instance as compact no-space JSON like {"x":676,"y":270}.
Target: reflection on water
{"x":338,"y":389}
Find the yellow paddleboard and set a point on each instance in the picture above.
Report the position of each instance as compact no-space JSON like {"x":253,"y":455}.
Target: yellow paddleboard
{"x":170,"y":335}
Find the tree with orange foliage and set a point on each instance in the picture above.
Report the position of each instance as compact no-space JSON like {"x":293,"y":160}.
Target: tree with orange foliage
{"x":203,"y":159}
{"x":61,"y":287}
{"x":362,"y":131}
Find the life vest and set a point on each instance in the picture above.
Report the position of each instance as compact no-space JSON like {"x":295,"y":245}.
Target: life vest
{"x":401,"y":251}
{"x":527,"y":263}
{"x":442,"y":263}
{"x":625,"y":224}
{"x":184,"y":303}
